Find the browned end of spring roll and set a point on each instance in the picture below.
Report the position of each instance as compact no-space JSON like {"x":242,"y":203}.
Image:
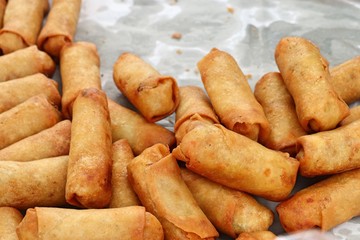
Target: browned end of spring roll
{"x":260,"y":235}
{"x":353,"y":116}
{"x":2,"y":11}
{"x":9,"y":220}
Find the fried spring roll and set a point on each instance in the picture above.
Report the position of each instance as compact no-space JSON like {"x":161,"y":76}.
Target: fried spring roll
{"x":354,"y":116}
{"x":128,"y":223}
{"x":80,"y":69}
{"x":35,"y":183}
{"x":22,"y":24}
{"x":325,"y":204}
{"x":231,"y":211}
{"x":2,"y":11}
{"x":141,"y":134}
{"x":51,"y":142}
{"x":260,"y":235}
{"x":9,"y":220}
{"x":89,"y":174}
{"x":235,"y":161}
{"x":155,"y":177}
{"x":307,"y":78}
{"x":55,"y":34}
{"x":26,"y":119}
{"x":155,"y":96}
{"x":231,"y":95}
{"x":280,"y":111}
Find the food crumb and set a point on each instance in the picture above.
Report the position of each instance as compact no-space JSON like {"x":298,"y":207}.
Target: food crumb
{"x":176,"y":35}
{"x":173,"y":2}
{"x":178,"y":51}
{"x":248,"y":76}
{"x":230,"y":9}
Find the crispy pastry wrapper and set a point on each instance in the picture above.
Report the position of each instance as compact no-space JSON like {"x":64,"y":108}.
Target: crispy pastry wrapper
{"x":260,"y":235}
{"x":307,"y":78}
{"x":231,"y":95}
{"x":354,"y":116}
{"x":325,"y":204}
{"x":2,"y":11}
{"x":155,"y":96}
{"x":9,"y":219}
{"x":128,"y":223}
{"x":155,"y":177}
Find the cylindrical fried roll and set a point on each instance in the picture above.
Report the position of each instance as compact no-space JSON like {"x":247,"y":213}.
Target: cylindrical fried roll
{"x":141,"y":134}
{"x":51,"y":142}
{"x":26,"y":119}
{"x":89,"y":175}
{"x":18,"y":90}
{"x":155,"y":96}
{"x":325,"y":204}
{"x":233,"y":160}
{"x":260,"y":235}
{"x":128,"y":223}
{"x":22,"y":24}
{"x":155,"y":177}
{"x":231,"y":95}
{"x":354,"y":116}
{"x":2,"y":11}
{"x":80,"y":69}
{"x":307,"y":78}
{"x":280,"y":111}
{"x":9,"y":220}
{"x":35,"y":183}
{"x":231,"y":211}
{"x":25,"y":62}
{"x":122,"y":193}
{"x":55,"y":34}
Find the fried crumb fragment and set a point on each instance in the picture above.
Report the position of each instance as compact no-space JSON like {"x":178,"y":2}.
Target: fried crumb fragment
{"x":176,"y":35}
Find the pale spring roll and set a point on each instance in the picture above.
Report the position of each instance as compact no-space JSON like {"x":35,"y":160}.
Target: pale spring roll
{"x":80,"y":69}
{"x":232,"y":212}
{"x":307,"y":78}
{"x":354,"y":116}
{"x":156,"y":96}
{"x":22,"y":24}
{"x":260,"y":235}
{"x":50,"y":142}
{"x":9,"y":220}
{"x":2,"y":11}
{"x":140,"y":134}
{"x":325,"y":204}
{"x":55,"y":34}
{"x":25,"y":62}
{"x":231,"y":95}
{"x":280,"y":111}
{"x":155,"y":177}
{"x":128,"y":223}
{"x":122,"y":193}
{"x":89,"y":174}
{"x":35,"y":183}
{"x":26,"y":119}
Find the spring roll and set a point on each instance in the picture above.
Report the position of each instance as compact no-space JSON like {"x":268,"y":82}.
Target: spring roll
{"x":155,"y":96}
{"x":141,"y":134}
{"x":89,"y":173}
{"x":80,"y":69}
{"x":325,"y":204}
{"x":26,"y":119}
{"x":55,"y":34}
{"x":260,"y":235}
{"x":155,"y":177}
{"x":280,"y":111}
{"x":2,"y":11}
{"x":307,"y":78}
{"x":22,"y":24}
{"x":35,"y":183}
{"x":9,"y":220}
{"x":128,"y":223}
{"x":122,"y":193}
{"x":50,"y":142}
{"x":354,"y":116}
{"x":231,"y":95}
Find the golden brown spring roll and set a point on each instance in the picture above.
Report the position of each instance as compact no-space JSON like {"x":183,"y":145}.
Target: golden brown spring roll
{"x":232,"y":212}
{"x":193,"y":100}
{"x":22,"y":24}
{"x":18,"y":90}
{"x":235,"y":161}
{"x":26,"y":119}
{"x":231,"y":95}
{"x":325,"y":204}
{"x":89,"y":174}
{"x":2,"y":11}
{"x":280,"y":111}
{"x":55,"y":34}
{"x":155,"y":177}
{"x":128,"y":223}
{"x":354,"y":116}
{"x":80,"y":69}
{"x":260,"y":235}
{"x":307,"y":78}
{"x":25,"y":62}
{"x":122,"y":193}
{"x":35,"y":183}
{"x":155,"y":96}
{"x":141,"y":134}
{"x":330,"y":152}
{"x":9,"y":220}
{"x":50,"y":142}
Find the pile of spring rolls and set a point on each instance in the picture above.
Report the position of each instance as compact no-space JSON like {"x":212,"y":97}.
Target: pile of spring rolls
{"x":78,"y":165}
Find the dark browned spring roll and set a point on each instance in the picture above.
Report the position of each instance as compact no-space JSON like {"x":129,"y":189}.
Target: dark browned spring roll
{"x":2,"y":11}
